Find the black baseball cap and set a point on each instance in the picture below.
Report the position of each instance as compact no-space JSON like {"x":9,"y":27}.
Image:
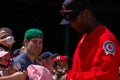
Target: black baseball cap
{"x":71,"y":9}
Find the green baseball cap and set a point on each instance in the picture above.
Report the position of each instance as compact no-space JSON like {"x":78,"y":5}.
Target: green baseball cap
{"x":33,"y":33}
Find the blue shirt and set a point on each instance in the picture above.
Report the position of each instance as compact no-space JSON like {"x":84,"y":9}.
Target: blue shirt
{"x":24,"y":61}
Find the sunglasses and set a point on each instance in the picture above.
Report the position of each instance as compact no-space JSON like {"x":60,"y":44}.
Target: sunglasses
{"x":70,"y":16}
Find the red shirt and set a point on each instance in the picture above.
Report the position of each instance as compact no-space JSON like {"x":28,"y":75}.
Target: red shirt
{"x":96,"y":57}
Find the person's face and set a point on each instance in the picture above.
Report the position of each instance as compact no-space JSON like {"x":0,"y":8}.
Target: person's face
{"x":5,"y":38}
{"x":62,"y":64}
{"x":47,"y":63}
{"x":4,"y":34}
{"x":34,"y":46}
{"x":80,"y":23}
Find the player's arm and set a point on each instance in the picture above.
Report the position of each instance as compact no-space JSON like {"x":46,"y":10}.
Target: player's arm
{"x":103,"y":65}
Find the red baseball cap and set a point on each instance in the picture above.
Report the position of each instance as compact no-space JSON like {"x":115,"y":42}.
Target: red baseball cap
{"x":62,"y":58}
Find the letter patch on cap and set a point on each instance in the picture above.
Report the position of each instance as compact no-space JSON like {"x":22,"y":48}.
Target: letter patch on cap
{"x":109,"y":47}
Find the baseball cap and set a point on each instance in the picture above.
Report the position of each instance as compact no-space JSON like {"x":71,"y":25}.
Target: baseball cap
{"x":60,"y":58}
{"x":37,"y":72}
{"x":3,"y":53}
{"x":33,"y":33}
{"x":71,"y":9}
{"x":48,"y":54}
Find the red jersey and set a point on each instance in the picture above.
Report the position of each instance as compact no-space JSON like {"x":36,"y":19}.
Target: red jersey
{"x":96,"y":57}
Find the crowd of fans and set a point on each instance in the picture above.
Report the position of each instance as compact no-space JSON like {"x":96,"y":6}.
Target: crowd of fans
{"x":27,"y":62}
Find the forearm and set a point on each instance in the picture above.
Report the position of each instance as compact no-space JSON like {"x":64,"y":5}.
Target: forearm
{"x":10,"y":77}
{"x":15,"y":76}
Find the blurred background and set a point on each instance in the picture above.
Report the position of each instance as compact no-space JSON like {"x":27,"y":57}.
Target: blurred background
{"x":20,"y":15}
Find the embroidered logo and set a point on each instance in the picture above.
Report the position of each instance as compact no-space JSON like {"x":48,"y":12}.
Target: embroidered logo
{"x":109,"y":47}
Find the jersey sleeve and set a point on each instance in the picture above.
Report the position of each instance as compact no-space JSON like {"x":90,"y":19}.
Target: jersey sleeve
{"x":104,"y":64}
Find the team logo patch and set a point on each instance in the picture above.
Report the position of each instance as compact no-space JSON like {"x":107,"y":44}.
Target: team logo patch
{"x":109,"y":47}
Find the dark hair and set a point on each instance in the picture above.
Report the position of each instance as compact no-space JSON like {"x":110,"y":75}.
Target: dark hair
{"x":6,"y":29}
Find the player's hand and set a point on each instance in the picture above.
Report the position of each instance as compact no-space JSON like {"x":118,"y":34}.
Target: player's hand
{"x":20,"y":75}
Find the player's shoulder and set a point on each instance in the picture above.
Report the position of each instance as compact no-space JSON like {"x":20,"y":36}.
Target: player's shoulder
{"x":107,"y":35}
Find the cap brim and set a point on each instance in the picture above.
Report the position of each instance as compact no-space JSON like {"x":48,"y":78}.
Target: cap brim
{"x":54,"y":55}
{"x":3,"y":53}
{"x":64,"y":22}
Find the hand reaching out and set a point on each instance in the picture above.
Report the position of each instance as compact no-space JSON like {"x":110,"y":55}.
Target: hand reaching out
{"x":20,"y":75}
